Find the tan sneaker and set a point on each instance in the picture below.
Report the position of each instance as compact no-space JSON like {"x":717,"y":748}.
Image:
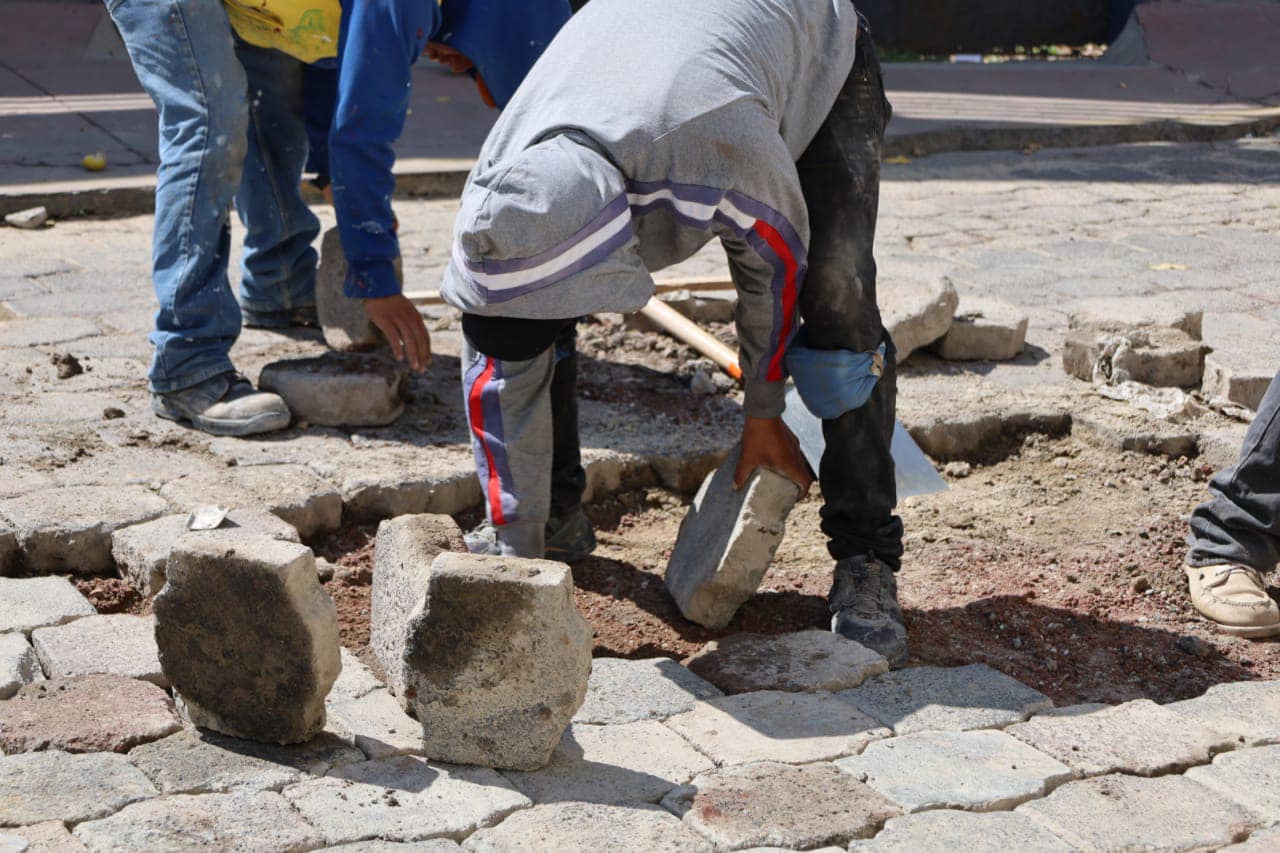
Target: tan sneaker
{"x":1235,"y":597}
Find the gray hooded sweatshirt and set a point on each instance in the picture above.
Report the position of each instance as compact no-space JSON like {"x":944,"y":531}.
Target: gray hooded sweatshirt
{"x":647,"y":128}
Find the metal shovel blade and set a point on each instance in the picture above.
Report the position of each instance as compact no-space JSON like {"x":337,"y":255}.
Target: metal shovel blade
{"x":915,"y":474}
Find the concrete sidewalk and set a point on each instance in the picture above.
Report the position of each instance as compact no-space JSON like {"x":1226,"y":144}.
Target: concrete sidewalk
{"x":67,"y":89}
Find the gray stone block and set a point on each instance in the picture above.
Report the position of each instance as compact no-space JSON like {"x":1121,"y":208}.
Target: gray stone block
{"x":624,"y":691}
{"x":1168,"y":358}
{"x":588,"y":828}
{"x":1250,"y":777}
{"x":117,"y":644}
{"x":54,"y":785}
{"x":48,"y":837}
{"x":376,"y":724}
{"x":19,"y":665}
{"x":90,"y":713}
{"x":917,"y":313}
{"x":976,"y":770}
{"x":778,"y":805}
{"x":803,"y":660}
{"x":292,"y":492}
{"x":248,"y":637}
{"x":69,"y":529}
{"x":793,"y":728}
{"x":242,"y":821}
{"x":726,"y":542}
{"x":345,"y":322}
{"x":339,"y":389}
{"x":1248,"y":710}
{"x":496,"y":661}
{"x":946,"y":698}
{"x":984,"y":330}
{"x":945,"y":829}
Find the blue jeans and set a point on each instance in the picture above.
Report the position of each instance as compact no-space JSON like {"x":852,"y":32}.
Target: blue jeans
{"x":230,"y":128}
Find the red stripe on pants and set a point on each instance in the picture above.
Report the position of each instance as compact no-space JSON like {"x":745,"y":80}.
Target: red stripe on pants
{"x":475,"y":407}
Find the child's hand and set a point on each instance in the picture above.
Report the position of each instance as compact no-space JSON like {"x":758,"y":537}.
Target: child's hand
{"x":404,"y":329}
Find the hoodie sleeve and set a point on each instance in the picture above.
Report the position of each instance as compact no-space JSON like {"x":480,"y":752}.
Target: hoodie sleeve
{"x":380,"y":41}
{"x":502,"y":38}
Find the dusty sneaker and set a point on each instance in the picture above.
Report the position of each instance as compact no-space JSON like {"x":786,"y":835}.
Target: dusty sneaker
{"x":303,"y":315}
{"x":864,"y":607}
{"x":226,"y":404}
{"x":567,"y":541}
{"x":1235,"y":597}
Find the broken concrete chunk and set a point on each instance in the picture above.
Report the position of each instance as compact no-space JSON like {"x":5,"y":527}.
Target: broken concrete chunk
{"x":339,"y":389}
{"x":117,"y":644}
{"x":29,"y":219}
{"x":804,"y":660}
{"x":345,"y":322}
{"x":19,"y":665}
{"x":917,"y":313}
{"x":1234,"y":379}
{"x":69,"y":529}
{"x":90,"y":713}
{"x":248,"y":637}
{"x":29,"y":603}
{"x":1166,"y":358}
{"x":727,"y":541}
{"x":984,"y":330}
{"x":1127,"y":313}
{"x":497,"y":659}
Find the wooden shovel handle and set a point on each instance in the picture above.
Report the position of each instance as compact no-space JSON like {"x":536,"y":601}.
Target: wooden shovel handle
{"x":685,"y":330}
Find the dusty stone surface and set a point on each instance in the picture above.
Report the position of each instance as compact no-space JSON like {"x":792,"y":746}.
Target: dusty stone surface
{"x":435,"y":845}
{"x":403,"y":552}
{"x":404,"y":799}
{"x":778,"y":805}
{"x":977,"y":770}
{"x":248,"y":637}
{"x":587,"y":828}
{"x":376,"y":724}
{"x":1260,"y":841}
{"x":945,"y":436}
{"x":1236,"y":379}
{"x":45,"y":786}
{"x":1250,"y":777}
{"x":793,"y":728}
{"x":19,"y":665}
{"x":89,"y":713}
{"x":48,"y":837}
{"x":803,"y":660}
{"x":628,"y":763}
{"x":345,"y":322}
{"x":1127,"y":313}
{"x":984,"y":330}
{"x":29,"y":603}
{"x":946,"y":699}
{"x":69,"y":529}
{"x":142,"y":550}
{"x":624,"y":691}
{"x":118,"y":644}
{"x":726,"y":542}
{"x":917,"y":313}
{"x":355,"y":680}
{"x":193,"y":762}
{"x":497,"y":660}
{"x":242,"y":821}
{"x":1138,"y":737}
{"x":292,"y":492}
{"x":946,"y":829}
{"x":1128,"y":813}
{"x":1246,"y":710}
{"x":339,"y":389}
{"x":1168,"y":358}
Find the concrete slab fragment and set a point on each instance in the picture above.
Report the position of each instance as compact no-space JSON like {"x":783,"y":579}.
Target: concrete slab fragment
{"x":1127,"y":313}
{"x":53,"y":785}
{"x":588,"y":828}
{"x":624,"y":691}
{"x":19,"y":665}
{"x":339,"y":389}
{"x":803,"y":660}
{"x":30,"y":603}
{"x":945,"y":829}
{"x":946,"y":698}
{"x":1247,"y":710}
{"x":117,"y":644}
{"x":917,"y":313}
{"x":90,"y":713}
{"x":984,"y":330}
{"x":1250,"y":777}
{"x":69,"y":529}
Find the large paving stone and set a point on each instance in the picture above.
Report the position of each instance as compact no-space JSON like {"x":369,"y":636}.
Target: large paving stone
{"x":497,"y":660}
{"x":946,"y":830}
{"x":404,"y":799}
{"x":778,"y":805}
{"x":118,"y":644}
{"x":376,"y":724}
{"x":726,"y":542}
{"x":1137,"y":737}
{"x":19,"y":665}
{"x":917,"y":313}
{"x":794,"y":728}
{"x":89,"y":713}
{"x":248,"y":637}
{"x":141,"y":551}
{"x":344,"y":321}
{"x":44,"y":786}
{"x":978,"y":770}
{"x":984,"y":330}
{"x":29,"y":603}
{"x":48,"y":837}
{"x":1129,"y":813}
{"x":1251,"y":777}
{"x":803,"y":660}
{"x":1248,"y":710}
{"x":292,"y":492}
{"x":623,"y":691}
{"x":628,"y":763}
{"x":242,"y":821}
{"x":946,"y":698}
{"x":339,"y":389}
{"x":69,"y":528}
{"x":404,"y":550}
{"x":192,"y":762}
{"x":588,"y":828}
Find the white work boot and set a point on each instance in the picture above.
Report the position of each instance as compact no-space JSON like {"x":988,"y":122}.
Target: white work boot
{"x":1235,"y":597}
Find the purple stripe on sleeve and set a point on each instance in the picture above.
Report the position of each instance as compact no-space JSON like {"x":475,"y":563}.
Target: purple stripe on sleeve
{"x":603,"y":218}
{"x":595,"y":256}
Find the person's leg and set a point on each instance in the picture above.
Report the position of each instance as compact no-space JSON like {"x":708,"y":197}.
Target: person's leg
{"x":569,"y":533}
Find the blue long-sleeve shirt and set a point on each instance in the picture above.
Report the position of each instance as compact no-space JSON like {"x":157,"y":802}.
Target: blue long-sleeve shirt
{"x":379,"y":42}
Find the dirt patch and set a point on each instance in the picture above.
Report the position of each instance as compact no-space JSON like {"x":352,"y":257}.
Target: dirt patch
{"x":113,"y":595}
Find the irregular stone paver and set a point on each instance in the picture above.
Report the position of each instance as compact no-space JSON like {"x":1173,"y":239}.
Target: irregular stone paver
{"x":984,"y":330}
{"x":292,"y":492}
{"x":978,"y":770}
{"x":623,"y":691}
{"x":1260,"y":841}
{"x":926,"y":698}
{"x":1137,"y":737}
{"x":192,"y":762}
{"x":404,"y":799}
{"x":435,"y":845}
{"x":779,"y":805}
{"x":339,"y":389}
{"x":1130,"y":813}
{"x":89,"y":713}
{"x":804,"y":660}
{"x":628,"y":763}
{"x":1074,"y":710}
{"x":917,"y":313}
{"x":48,"y":837}
{"x":946,"y":829}
{"x":376,"y":724}
{"x":355,"y":680}
{"x":69,"y":528}
{"x":118,"y":644}
{"x":244,"y":821}
{"x":794,"y":728}
{"x":44,"y":786}
{"x":29,"y":603}
{"x":19,"y":665}
{"x":588,"y":828}
{"x":1249,"y":710}
{"x":1251,"y":777}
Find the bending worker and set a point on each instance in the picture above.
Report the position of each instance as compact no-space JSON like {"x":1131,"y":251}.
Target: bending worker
{"x":644,"y":131}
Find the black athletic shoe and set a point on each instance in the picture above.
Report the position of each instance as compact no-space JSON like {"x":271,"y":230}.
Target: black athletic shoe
{"x":864,"y":607}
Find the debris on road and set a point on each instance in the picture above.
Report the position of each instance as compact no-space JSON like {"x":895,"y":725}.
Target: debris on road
{"x":29,"y":219}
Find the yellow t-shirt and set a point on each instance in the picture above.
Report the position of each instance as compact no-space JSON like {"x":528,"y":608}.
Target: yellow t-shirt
{"x":304,"y":29}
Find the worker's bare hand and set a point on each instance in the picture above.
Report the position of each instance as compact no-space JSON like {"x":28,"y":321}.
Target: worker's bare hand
{"x":767,"y":443}
{"x":404,"y":329}
{"x":445,"y":55}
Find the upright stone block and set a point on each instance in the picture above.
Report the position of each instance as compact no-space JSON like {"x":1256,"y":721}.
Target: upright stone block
{"x":30,"y":603}
{"x":69,"y":529}
{"x":248,"y":637}
{"x":339,"y":389}
{"x":497,"y":660}
{"x":803,"y":660}
{"x":984,"y":330}
{"x":345,"y":322}
{"x":917,"y":313}
{"x":726,"y":542}
{"x":117,"y":644}
{"x":19,"y":665}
